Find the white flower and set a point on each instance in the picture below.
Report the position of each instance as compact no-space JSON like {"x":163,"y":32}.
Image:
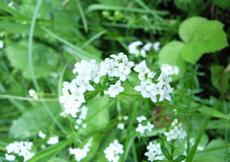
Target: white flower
{"x":113,"y":151}
{"x":114,"y":89}
{"x":156,"y":46}
{"x":176,"y":131}
{"x":79,"y":153}
{"x":154,"y":152}
{"x":165,"y":93}
{"x":144,"y":125}
{"x":81,"y":117}
{"x":169,"y":69}
{"x":71,"y":99}
{"x":147,"y":47}
{"x":21,"y":148}
{"x":138,"y":48}
{"x":41,"y":134}
{"x":1,"y":44}
{"x":141,"y":69}
{"x":53,"y":140}
{"x":9,"y":157}
{"x":33,"y":94}
{"x":116,"y":66}
{"x":121,"y":126}
{"x":134,"y":48}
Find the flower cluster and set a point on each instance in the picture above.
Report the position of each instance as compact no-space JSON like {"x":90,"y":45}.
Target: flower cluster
{"x":87,"y":74}
{"x":113,"y":151}
{"x":144,"y":125}
{"x":176,"y":131}
{"x":150,"y":88}
{"x":79,"y":153}
{"x":116,"y":66}
{"x":21,"y":148}
{"x":154,"y":152}
{"x":138,"y":48}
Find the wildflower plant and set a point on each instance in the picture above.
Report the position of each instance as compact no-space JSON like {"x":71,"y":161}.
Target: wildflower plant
{"x":114,"y":81}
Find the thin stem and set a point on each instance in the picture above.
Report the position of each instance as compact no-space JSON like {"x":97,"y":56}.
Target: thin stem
{"x":27,"y":98}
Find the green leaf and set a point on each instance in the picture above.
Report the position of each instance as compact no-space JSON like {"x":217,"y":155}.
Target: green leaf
{"x":170,"y":54}
{"x":31,"y":121}
{"x":220,"y":78}
{"x":165,"y":152}
{"x":98,"y":115}
{"x":201,"y":36}
{"x":57,"y":160}
{"x":214,"y":152}
{"x":51,"y":150}
{"x":213,"y":113}
{"x":179,"y":158}
{"x":44,"y":59}
{"x":222,"y":3}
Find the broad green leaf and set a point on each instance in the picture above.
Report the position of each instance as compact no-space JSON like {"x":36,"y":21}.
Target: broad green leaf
{"x":213,"y":113}
{"x":44,"y":59}
{"x":220,"y":78}
{"x":201,"y":36}
{"x":32,"y":121}
{"x":98,"y":114}
{"x":214,"y":152}
{"x":170,"y":54}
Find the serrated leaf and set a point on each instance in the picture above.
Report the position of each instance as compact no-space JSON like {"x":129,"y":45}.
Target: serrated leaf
{"x":44,"y":59}
{"x":170,"y":54}
{"x":201,"y":36}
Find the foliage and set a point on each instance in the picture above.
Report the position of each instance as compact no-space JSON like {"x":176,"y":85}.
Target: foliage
{"x":40,"y":41}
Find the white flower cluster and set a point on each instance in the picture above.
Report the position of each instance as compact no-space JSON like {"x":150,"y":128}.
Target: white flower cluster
{"x":21,"y":148}
{"x":88,"y":72}
{"x":176,"y":131}
{"x":144,"y":125}
{"x":154,"y":152}
{"x":79,"y":153}
{"x":169,"y":69}
{"x":138,"y":48}
{"x":113,"y":151}
{"x":116,"y":66}
{"x":121,"y":124}
{"x":161,"y":87}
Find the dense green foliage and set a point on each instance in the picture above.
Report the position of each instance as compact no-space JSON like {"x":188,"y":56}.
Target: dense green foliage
{"x":44,"y":38}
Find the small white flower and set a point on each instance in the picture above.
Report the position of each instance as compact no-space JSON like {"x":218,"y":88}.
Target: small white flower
{"x":134,"y":48}
{"x":144,"y":125}
{"x":156,"y":46}
{"x":81,"y":117}
{"x":169,"y":69}
{"x":113,"y":151}
{"x":115,"y":89}
{"x":154,"y":152}
{"x":53,"y":140}
{"x":141,"y":69}
{"x":1,"y":44}
{"x":81,"y":153}
{"x":9,"y":157}
{"x":21,"y":148}
{"x":176,"y":131}
{"x":33,"y":94}
{"x":121,"y":126}
{"x":41,"y":134}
